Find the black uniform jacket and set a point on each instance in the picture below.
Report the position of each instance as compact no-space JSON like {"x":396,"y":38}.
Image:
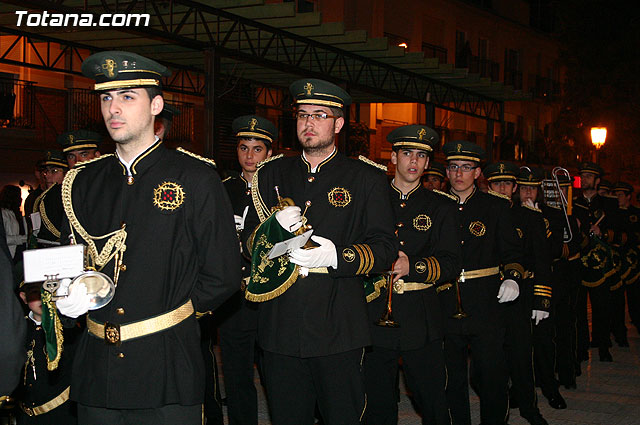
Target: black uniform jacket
{"x":326,"y":314}
{"x":588,"y":212}
{"x":489,"y":239}
{"x":177,"y":248}
{"x":427,"y":231}
{"x":40,"y":385}
{"x":536,"y":289}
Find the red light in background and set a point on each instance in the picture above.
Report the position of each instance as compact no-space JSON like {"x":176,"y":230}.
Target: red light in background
{"x":576,"y":182}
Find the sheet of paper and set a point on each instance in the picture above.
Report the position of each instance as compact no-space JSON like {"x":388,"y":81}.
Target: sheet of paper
{"x":36,"y":222}
{"x":64,"y":261}
{"x":289,"y":245}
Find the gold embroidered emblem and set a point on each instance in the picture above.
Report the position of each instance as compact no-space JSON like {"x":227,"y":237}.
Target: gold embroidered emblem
{"x":421,"y":267}
{"x":633,"y":218}
{"x":168,"y":196}
{"x":477,"y":228}
{"x":111,"y":333}
{"x":48,"y":155}
{"x":349,"y":255}
{"x":308,"y":87}
{"x":109,"y":66}
{"x":422,"y":222}
{"x":71,"y":139}
{"x":339,"y":197}
{"x":421,"y":133}
{"x":546,"y":223}
{"x":519,"y":232}
{"x":546,"y":303}
{"x":501,"y":167}
{"x":252,"y":124}
{"x":459,"y":148}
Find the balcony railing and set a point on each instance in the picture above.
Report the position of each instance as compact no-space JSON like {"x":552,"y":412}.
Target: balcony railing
{"x":513,"y":78}
{"x":433,"y":51}
{"x":17,"y":106}
{"x":485,"y":67}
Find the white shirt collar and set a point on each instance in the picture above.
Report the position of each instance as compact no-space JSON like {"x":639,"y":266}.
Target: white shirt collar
{"x":34,"y":320}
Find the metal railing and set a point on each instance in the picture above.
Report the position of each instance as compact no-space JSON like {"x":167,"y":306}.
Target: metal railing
{"x":17,"y":107}
{"x":433,"y":51}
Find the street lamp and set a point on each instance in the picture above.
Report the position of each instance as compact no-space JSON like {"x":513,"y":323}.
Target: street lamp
{"x":598,"y":136}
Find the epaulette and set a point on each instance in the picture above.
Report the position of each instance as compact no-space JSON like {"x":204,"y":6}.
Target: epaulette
{"x":372,"y":163}
{"x":532,"y":208}
{"x":228,"y":178}
{"x":553,"y":206}
{"x":448,"y":195}
{"x":83,"y":163}
{"x":499,"y":195}
{"x":196,"y":156}
{"x":271,"y":158}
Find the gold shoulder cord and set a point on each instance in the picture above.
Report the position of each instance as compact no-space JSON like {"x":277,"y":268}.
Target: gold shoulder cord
{"x":45,"y":218}
{"x":258,"y":203}
{"x":115,"y":246}
{"x":196,"y":156}
{"x":373,"y":163}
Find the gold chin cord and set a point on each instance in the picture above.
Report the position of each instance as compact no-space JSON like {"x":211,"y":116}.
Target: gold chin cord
{"x":115,"y":246}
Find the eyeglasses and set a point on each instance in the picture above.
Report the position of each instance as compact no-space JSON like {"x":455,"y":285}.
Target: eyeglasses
{"x":52,"y":170}
{"x":466,"y":168}
{"x":301,"y":116}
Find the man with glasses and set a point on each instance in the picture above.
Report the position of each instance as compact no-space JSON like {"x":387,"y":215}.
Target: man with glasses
{"x":49,"y":203}
{"x":313,"y":329}
{"x":471,"y":305}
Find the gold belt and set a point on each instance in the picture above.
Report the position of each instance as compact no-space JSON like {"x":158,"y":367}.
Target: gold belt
{"x":115,"y":334}
{"x":400,"y":286}
{"x":48,"y":406}
{"x":475,"y":274}
{"x":321,"y":270}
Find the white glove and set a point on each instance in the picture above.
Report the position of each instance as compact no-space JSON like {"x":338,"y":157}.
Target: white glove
{"x":539,"y":315}
{"x":289,"y":218}
{"x":239,"y":222}
{"x":76,"y":302}
{"x":323,"y":256}
{"x":509,"y":291}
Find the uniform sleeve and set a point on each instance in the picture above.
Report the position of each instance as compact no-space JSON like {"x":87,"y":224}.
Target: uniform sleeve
{"x":542,"y":289}
{"x":378,"y":248}
{"x":216,"y":243}
{"x":509,"y":244}
{"x":443,"y":261}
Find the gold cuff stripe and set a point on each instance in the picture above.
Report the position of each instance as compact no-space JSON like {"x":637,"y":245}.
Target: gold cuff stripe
{"x":76,"y":147}
{"x":371,"y":258}
{"x":48,"y":406}
{"x":544,"y":295}
{"x":147,"y":326}
{"x":362,"y":258}
{"x":542,"y":287}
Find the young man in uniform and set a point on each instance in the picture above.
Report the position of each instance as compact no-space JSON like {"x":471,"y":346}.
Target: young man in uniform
{"x":534,"y":301}
{"x":488,"y":239}
{"x":163,"y":227}
{"x":313,"y":330}
{"x":239,"y":327}
{"x":429,"y":254}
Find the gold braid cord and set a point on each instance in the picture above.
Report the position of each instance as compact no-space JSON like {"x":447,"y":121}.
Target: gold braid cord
{"x":115,"y":245}
{"x":196,"y":156}
{"x":45,"y":218}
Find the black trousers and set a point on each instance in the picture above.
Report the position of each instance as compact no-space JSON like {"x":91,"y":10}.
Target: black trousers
{"x":565,"y":293}
{"x":171,"y":414}
{"x":633,"y":302}
{"x":487,"y":350}
{"x":425,"y":373}
{"x":617,"y":306}
{"x":518,"y":349}
{"x":238,"y":347}
{"x":334,"y":382}
{"x":600,"y":314}
{"x":212,"y":398}
{"x":544,"y":356}
{"x":582,"y":323}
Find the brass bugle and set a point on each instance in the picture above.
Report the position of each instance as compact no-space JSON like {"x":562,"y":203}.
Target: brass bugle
{"x":460,"y":313}
{"x":565,"y":201}
{"x":386,"y":320}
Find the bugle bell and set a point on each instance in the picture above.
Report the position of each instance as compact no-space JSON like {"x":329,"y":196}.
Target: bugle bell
{"x":386,"y":320}
{"x":460,"y":313}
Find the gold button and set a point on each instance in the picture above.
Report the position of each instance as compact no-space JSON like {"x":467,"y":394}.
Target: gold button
{"x":123,"y":267}
{"x":311,"y":179}
{"x":402,"y":205}
{"x":248,"y":192}
{"x":460,"y":208}
{"x":120,"y":311}
{"x":129,"y":180}
{"x":400,"y":224}
{"x":244,"y":268}
{"x":461,"y":242}
{"x":121,"y":355}
{"x":402,"y":243}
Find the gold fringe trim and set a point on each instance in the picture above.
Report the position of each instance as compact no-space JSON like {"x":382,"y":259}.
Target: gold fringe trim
{"x":373,"y":163}
{"x":57,"y":326}
{"x":276,"y":292}
{"x":377,"y":285}
{"x":196,"y":156}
